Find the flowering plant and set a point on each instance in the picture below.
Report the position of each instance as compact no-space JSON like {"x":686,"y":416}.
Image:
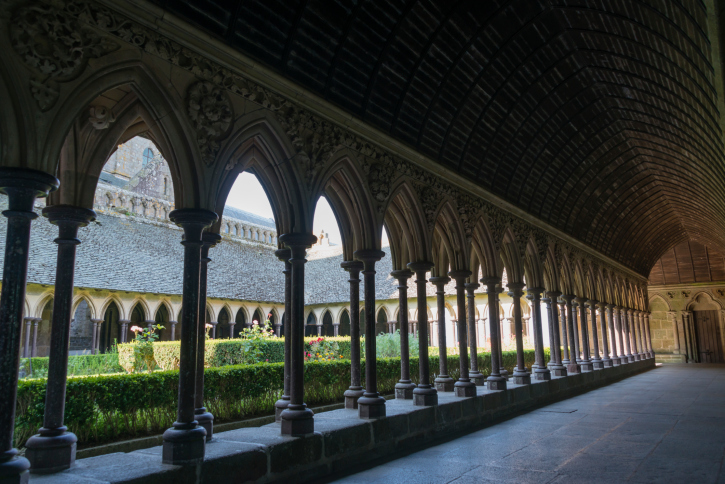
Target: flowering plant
{"x":207,"y":329}
{"x":322,"y":350}
{"x":251,"y":338}
{"x":143,"y":350}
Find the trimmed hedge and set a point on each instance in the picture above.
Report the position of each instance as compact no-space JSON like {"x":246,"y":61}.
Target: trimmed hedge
{"x":109,"y":407}
{"x":221,"y":352}
{"x":77,"y":364}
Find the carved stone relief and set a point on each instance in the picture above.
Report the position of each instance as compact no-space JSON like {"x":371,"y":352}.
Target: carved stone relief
{"x":210,"y":112}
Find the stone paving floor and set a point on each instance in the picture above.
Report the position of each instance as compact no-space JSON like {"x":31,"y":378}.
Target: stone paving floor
{"x":666,"y":425}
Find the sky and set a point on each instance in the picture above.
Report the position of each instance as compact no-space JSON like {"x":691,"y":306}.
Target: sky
{"x":247,"y":194}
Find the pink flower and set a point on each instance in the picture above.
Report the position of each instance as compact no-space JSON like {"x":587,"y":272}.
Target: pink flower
{"x":208,"y":326}
{"x":255,"y":322}
{"x":136,"y":329}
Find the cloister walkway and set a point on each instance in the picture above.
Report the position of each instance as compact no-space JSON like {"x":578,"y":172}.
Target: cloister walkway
{"x":665,"y":425}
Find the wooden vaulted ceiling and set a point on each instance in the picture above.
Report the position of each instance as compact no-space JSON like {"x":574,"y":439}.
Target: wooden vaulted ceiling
{"x":689,"y":263}
{"x":598,"y":117}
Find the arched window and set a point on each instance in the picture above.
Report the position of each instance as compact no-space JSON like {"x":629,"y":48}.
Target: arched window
{"x":147,"y":156}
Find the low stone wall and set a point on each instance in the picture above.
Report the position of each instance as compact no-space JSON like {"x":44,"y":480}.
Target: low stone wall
{"x":341,"y":442}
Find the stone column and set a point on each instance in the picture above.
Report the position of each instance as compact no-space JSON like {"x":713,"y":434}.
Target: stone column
{"x":424,"y":394}
{"x":637,"y":343}
{"x":54,"y":448}
{"x":94,"y":331}
{"x":502,"y":368}
{"x":689,"y":346}
{"x":586,"y":363}
{"x":319,"y":329}
{"x":632,"y":330}
{"x":297,"y":419}
{"x":97,"y":338}
{"x":22,"y":187}
{"x":613,"y":334}
{"x":173,"y":330}
{"x":475,"y":375}
{"x":335,"y":329}
{"x":675,"y":330}
{"x":606,"y":360}
{"x":284,"y":256}
{"x":443,"y":383}
{"x":184,"y":442}
{"x":404,"y":388}
{"x":574,"y":365}
{"x":521,"y":376}
{"x":643,"y":351}
{"x":464,"y":387}
{"x":204,"y":418}
{"x":26,"y":347}
{"x":565,"y":361}
{"x":557,"y":367}
{"x":597,"y":362}
{"x":124,"y":329}
{"x":232,"y":323}
{"x":495,"y":381}
{"x":625,"y":335}
{"x":649,"y":336}
{"x":356,"y":390}
{"x":541,"y":372}
{"x":371,"y":405}
{"x":34,"y":349}
{"x":623,"y":360}
{"x":549,"y":321}
{"x":572,"y":316}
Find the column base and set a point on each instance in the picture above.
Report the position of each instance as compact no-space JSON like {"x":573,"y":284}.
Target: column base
{"x":477,"y":378}
{"x":352,"y":395}
{"x":464,"y":389}
{"x":630,"y":359}
{"x":13,"y":469}
{"x":607,"y":363}
{"x":558,"y":370}
{"x":404,"y":391}
{"x":425,"y":396}
{"x":504,"y":373}
{"x":279,"y":407}
{"x":297,"y":420}
{"x":542,"y":374}
{"x":616,"y":362}
{"x":636,"y":357}
{"x":206,"y":420}
{"x":51,"y":453}
{"x":521,"y":378}
{"x":371,"y":407}
{"x":573,"y":369}
{"x":496,"y":383}
{"x":184,"y":446}
{"x":444,"y":383}
{"x":598,"y":364}
{"x":586,"y":366}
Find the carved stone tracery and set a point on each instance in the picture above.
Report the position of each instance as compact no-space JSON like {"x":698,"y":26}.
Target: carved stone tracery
{"x":210,"y":112}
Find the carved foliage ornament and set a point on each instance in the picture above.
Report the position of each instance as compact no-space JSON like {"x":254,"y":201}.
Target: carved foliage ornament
{"x":468,"y":210}
{"x":51,"y":40}
{"x":100,"y":117}
{"x":210,"y":112}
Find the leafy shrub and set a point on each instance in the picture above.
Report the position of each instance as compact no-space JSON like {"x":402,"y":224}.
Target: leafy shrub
{"x":107,"y":407}
{"x":77,"y":365}
{"x":387,"y":345}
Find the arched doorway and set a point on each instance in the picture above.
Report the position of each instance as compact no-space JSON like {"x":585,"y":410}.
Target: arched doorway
{"x":327,"y":328}
{"x":223,"y":329}
{"x":110,"y":329}
{"x":162,"y":318}
{"x":138,"y":318}
{"x":705,"y":331}
{"x":381,"y":322}
{"x":81,"y":330}
{"x":311,"y":325}
{"x":241,"y":320}
{"x":344,"y":329}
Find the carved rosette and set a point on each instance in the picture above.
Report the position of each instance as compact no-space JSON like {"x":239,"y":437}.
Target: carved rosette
{"x":50,"y":39}
{"x":210,"y":112}
{"x":100,"y":117}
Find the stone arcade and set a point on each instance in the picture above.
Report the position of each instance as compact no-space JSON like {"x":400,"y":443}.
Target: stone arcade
{"x":568,"y":147}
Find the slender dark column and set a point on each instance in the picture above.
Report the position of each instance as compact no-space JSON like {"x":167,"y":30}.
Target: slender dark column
{"x":26,"y":348}
{"x":613,"y":334}
{"x":22,"y":186}
{"x":184,"y":442}
{"x":564,"y":331}
{"x":356,"y":390}
{"x":557,"y":367}
{"x":97,"y":341}
{"x":371,"y":405}
{"x":632,"y":329}
{"x":475,"y":375}
{"x":597,"y":362}
{"x":284,"y":256}
{"x":541,"y":372}
{"x":54,"y":448}
{"x":606,"y":360}
{"x":625,"y":334}
{"x":34,"y":349}
{"x":204,"y":418}
{"x":464,"y":387}
{"x":424,"y":394}
{"x":443,"y":383}
{"x":495,"y":381}
{"x":297,"y":419}
{"x":173,"y":330}
{"x":586,"y":363}
{"x":502,"y":368}
{"x":552,"y":339}
{"x":521,"y":376}
{"x":404,"y":388}
{"x":574,"y":366}
{"x":649,"y":336}
{"x":574,"y":323}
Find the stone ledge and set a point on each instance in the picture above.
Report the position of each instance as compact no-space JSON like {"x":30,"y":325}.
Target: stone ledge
{"x":341,"y":442}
